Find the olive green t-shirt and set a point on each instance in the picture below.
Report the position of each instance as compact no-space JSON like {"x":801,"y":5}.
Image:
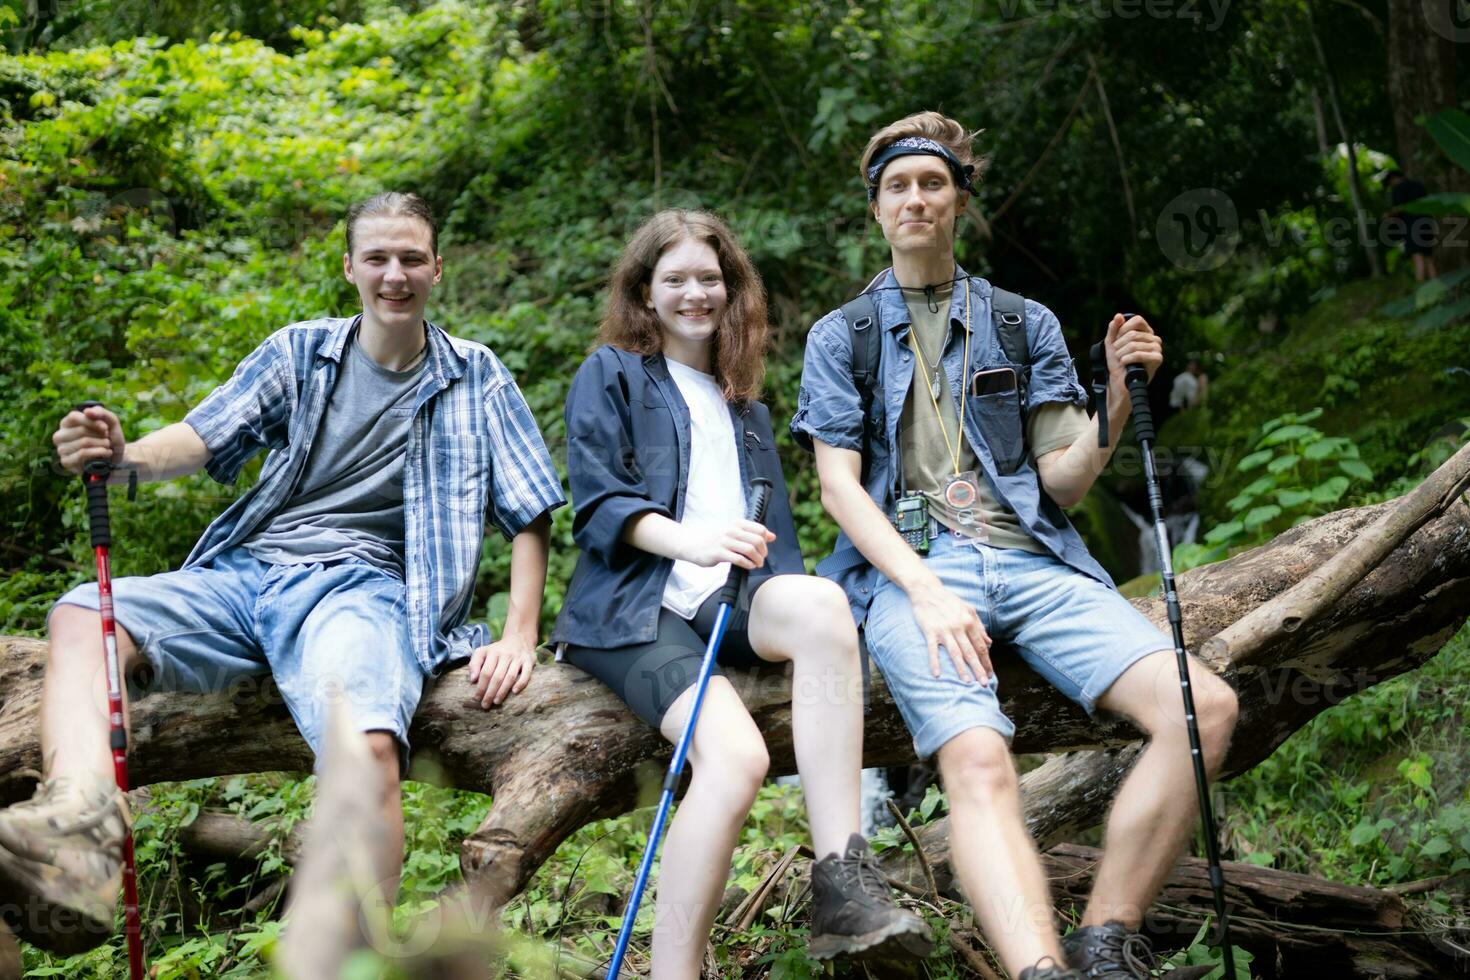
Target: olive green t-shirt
{"x":927,"y":462}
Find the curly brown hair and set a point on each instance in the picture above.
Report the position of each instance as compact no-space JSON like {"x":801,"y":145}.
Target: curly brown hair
{"x":936,"y":126}
{"x":738,"y":349}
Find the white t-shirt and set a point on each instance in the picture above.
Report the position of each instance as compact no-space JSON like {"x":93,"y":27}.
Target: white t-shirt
{"x":1185,"y":393}
{"x":714,"y":499}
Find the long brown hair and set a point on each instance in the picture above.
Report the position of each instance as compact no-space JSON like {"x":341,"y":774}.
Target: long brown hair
{"x":738,"y":348}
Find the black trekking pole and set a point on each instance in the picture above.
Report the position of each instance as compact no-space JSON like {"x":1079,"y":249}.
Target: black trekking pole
{"x":94,"y":478}
{"x":760,"y":497}
{"x":1136,"y":377}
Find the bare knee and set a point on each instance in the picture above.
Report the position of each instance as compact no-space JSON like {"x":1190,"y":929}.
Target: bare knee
{"x":387,"y":758}
{"x":74,"y":634}
{"x":1216,"y":708}
{"x":978,"y":770}
{"x":738,"y":771}
{"x":813,"y":619}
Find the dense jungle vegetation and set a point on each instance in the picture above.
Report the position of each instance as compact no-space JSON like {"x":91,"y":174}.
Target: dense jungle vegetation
{"x":173,"y":178}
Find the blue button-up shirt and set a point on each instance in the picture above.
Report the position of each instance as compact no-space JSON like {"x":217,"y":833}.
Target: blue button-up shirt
{"x":628,"y":452}
{"x":474,"y":452}
{"x":830,"y":410}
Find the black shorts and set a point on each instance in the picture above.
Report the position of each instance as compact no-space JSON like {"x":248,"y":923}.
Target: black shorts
{"x":649,"y":677}
{"x":1420,"y":235}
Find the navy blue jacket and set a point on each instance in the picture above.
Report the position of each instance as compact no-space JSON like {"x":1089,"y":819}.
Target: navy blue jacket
{"x":627,"y":454}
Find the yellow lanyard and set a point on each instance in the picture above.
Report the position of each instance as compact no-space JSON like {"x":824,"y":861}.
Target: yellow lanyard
{"x":952,"y":447}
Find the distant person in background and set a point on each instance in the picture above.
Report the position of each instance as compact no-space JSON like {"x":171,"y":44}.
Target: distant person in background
{"x":1190,"y":387}
{"x":1419,"y":229}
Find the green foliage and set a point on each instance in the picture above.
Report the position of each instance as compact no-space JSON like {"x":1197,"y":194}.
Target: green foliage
{"x":1375,"y":790}
{"x":173,"y":178}
{"x":1298,"y":473}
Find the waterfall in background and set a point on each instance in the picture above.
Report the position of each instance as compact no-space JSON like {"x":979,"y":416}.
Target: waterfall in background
{"x":1183,"y":525}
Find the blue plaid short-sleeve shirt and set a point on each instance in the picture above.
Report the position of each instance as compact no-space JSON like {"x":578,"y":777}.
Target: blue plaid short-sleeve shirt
{"x":474,"y":454}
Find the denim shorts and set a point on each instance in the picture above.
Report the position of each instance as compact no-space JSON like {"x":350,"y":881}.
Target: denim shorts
{"x":1076,"y":632}
{"x":326,"y":633}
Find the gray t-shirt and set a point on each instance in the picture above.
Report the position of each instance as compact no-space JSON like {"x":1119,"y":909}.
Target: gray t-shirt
{"x":927,"y":460}
{"x":349,"y":502}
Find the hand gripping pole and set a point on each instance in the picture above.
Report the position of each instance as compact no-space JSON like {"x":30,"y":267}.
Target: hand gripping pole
{"x":729,"y":595}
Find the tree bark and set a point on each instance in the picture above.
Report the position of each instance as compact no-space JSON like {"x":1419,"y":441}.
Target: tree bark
{"x":1295,"y":925}
{"x":566,"y":751}
{"x":1421,"y":82}
{"x":9,"y":955}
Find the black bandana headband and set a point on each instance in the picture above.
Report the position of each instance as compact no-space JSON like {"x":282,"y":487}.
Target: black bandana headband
{"x":922,"y":146}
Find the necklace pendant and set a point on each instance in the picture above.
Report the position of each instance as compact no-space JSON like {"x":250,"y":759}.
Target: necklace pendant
{"x":934,"y":386}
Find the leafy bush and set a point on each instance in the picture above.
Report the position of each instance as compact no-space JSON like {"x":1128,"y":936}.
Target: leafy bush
{"x":1303,"y":474}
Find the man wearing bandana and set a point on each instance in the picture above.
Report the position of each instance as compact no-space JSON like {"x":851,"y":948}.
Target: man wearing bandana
{"x":948,"y":484}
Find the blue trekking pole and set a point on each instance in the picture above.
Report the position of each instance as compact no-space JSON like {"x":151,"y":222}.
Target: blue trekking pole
{"x":760,"y":497}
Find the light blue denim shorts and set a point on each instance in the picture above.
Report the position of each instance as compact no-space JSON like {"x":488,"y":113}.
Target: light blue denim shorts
{"x":326,"y":633}
{"x":1077,"y":633}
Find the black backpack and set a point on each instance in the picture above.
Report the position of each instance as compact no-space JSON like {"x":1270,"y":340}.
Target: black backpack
{"x":1008,"y":313}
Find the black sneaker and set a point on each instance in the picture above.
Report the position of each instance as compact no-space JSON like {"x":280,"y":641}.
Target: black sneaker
{"x":1053,"y":971}
{"x":853,"y":913}
{"x":1109,"y":952}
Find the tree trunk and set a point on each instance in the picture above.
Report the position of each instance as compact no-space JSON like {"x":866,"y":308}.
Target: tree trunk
{"x":1295,"y":925}
{"x":1366,"y":238}
{"x":566,"y":751}
{"x":1422,"y":35}
{"x":1421,"y":82}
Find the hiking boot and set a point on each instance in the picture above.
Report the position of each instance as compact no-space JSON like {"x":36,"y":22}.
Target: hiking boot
{"x":61,"y":863}
{"x":853,"y":913}
{"x":1049,"y":969}
{"x":1109,"y":952}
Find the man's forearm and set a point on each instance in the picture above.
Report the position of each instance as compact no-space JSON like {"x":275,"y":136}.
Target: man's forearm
{"x":528,"y":557}
{"x":172,"y":451}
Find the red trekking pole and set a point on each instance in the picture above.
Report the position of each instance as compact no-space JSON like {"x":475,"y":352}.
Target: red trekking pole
{"x":94,"y":478}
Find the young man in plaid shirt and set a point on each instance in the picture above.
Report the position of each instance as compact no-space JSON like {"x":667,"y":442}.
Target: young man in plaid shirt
{"x":346,"y":572}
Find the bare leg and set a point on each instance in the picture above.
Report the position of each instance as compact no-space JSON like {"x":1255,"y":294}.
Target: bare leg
{"x":1156,"y":809}
{"x":806,"y":620}
{"x":729,"y":761}
{"x":390,"y":861}
{"x":992,"y":851}
{"x":74,"y":723}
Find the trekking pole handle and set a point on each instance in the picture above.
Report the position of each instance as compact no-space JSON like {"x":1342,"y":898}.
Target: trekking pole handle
{"x":94,"y":478}
{"x":1136,"y":378}
{"x":760,"y":499}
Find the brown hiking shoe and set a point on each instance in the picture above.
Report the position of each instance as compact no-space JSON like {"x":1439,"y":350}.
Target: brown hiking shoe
{"x":61,"y":863}
{"x":853,"y":913}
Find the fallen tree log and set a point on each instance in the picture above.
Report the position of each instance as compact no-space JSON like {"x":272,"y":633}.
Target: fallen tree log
{"x":1295,"y":925}
{"x":229,"y":836}
{"x":565,"y":751}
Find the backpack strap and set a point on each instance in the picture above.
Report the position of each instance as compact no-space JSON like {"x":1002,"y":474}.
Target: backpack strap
{"x":1008,"y":312}
{"x":865,"y":340}
{"x":861,"y":314}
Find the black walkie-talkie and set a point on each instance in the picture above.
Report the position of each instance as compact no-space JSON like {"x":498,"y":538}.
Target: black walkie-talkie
{"x":911,"y":518}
